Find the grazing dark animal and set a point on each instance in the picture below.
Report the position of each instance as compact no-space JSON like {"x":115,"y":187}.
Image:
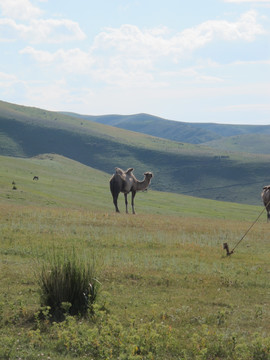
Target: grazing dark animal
{"x":35,"y":177}
{"x":126,"y":182}
{"x":266,"y":200}
{"x":14,"y":185}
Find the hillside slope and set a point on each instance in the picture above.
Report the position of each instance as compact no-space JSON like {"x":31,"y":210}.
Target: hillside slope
{"x":66,"y":183}
{"x":210,"y":134}
{"x":177,"y":167}
{"x":156,"y":126}
{"x":249,"y":143}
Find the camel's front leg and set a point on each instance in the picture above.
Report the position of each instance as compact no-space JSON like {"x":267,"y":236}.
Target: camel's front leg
{"x":126,"y":202}
{"x":132,"y":201}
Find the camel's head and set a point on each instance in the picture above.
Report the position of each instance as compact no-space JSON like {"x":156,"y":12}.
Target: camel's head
{"x":148,"y":175}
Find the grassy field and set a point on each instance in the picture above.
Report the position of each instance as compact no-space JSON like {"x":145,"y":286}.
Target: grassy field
{"x":178,"y":167}
{"x":167,"y":289}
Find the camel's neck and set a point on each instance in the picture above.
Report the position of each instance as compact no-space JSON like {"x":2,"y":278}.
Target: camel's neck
{"x":142,"y":185}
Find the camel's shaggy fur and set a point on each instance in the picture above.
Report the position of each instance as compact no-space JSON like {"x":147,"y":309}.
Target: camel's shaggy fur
{"x":266,"y":200}
{"x":126,"y":182}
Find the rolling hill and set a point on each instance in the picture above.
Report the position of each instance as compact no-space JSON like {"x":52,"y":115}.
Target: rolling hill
{"x":155,"y":126}
{"x":219,"y":136}
{"x":178,"y":167}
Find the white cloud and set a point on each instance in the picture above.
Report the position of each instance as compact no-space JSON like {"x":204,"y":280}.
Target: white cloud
{"x":129,"y":56}
{"x":192,"y":75}
{"x":19,"y":9}
{"x":54,"y":31}
{"x":7,"y":79}
{"x":9,"y":85}
{"x":76,"y":61}
{"x":43,"y":31}
{"x":22,"y":20}
{"x":73,"y":60}
{"x":126,"y":78}
{"x":131,"y":41}
{"x":57,"y":95}
{"x":47,"y":95}
{"x":246,"y":28}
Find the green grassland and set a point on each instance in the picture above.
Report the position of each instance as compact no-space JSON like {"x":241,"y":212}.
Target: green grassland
{"x":67,"y":183}
{"x":167,"y":289}
{"x":178,"y":167}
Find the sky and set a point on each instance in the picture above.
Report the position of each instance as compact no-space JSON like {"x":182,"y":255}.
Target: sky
{"x":192,"y":61}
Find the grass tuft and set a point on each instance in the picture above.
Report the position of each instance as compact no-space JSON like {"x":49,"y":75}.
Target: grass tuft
{"x":67,"y":285}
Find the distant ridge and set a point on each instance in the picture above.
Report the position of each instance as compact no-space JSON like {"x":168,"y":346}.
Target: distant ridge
{"x":155,"y":126}
{"x":211,"y":134}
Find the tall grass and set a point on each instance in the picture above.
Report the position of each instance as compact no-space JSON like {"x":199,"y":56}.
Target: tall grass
{"x":68,"y":284}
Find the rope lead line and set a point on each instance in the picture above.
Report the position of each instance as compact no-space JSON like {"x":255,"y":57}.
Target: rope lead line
{"x":226,"y":246}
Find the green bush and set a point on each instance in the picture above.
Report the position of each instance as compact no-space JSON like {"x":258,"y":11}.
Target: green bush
{"x":67,"y":285}
{"x":105,"y":337}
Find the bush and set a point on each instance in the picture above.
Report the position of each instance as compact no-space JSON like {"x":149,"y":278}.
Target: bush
{"x":67,"y":285}
{"x":105,"y":337}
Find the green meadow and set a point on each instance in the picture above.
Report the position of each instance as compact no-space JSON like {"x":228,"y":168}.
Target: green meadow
{"x":167,"y":288}
{"x":182,"y":168}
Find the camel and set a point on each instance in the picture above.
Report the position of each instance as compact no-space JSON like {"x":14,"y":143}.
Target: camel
{"x":126,"y":182}
{"x":266,"y":200}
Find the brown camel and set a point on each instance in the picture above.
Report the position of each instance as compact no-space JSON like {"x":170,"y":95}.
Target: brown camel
{"x":126,"y":182}
{"x":266,"y":200}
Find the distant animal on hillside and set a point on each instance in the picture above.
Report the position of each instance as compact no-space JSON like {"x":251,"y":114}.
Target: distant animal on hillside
{"x":35,"y":178}
{"x":266,"y":200}
{"x":126,"y":182}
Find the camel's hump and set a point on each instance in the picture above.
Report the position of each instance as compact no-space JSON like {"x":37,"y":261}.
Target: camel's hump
{"x":119,"y":170}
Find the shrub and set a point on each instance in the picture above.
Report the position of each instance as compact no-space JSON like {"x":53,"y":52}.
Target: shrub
{"x":67,"y":285}
{"x":105,"y":337}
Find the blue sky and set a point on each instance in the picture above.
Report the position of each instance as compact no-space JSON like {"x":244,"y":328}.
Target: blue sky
{"x":194,"y":61}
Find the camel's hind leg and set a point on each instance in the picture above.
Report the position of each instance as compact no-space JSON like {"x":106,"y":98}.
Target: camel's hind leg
{"x":126,"y":202}
{"x":115,"y":192}
{"x":115,"y":197}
